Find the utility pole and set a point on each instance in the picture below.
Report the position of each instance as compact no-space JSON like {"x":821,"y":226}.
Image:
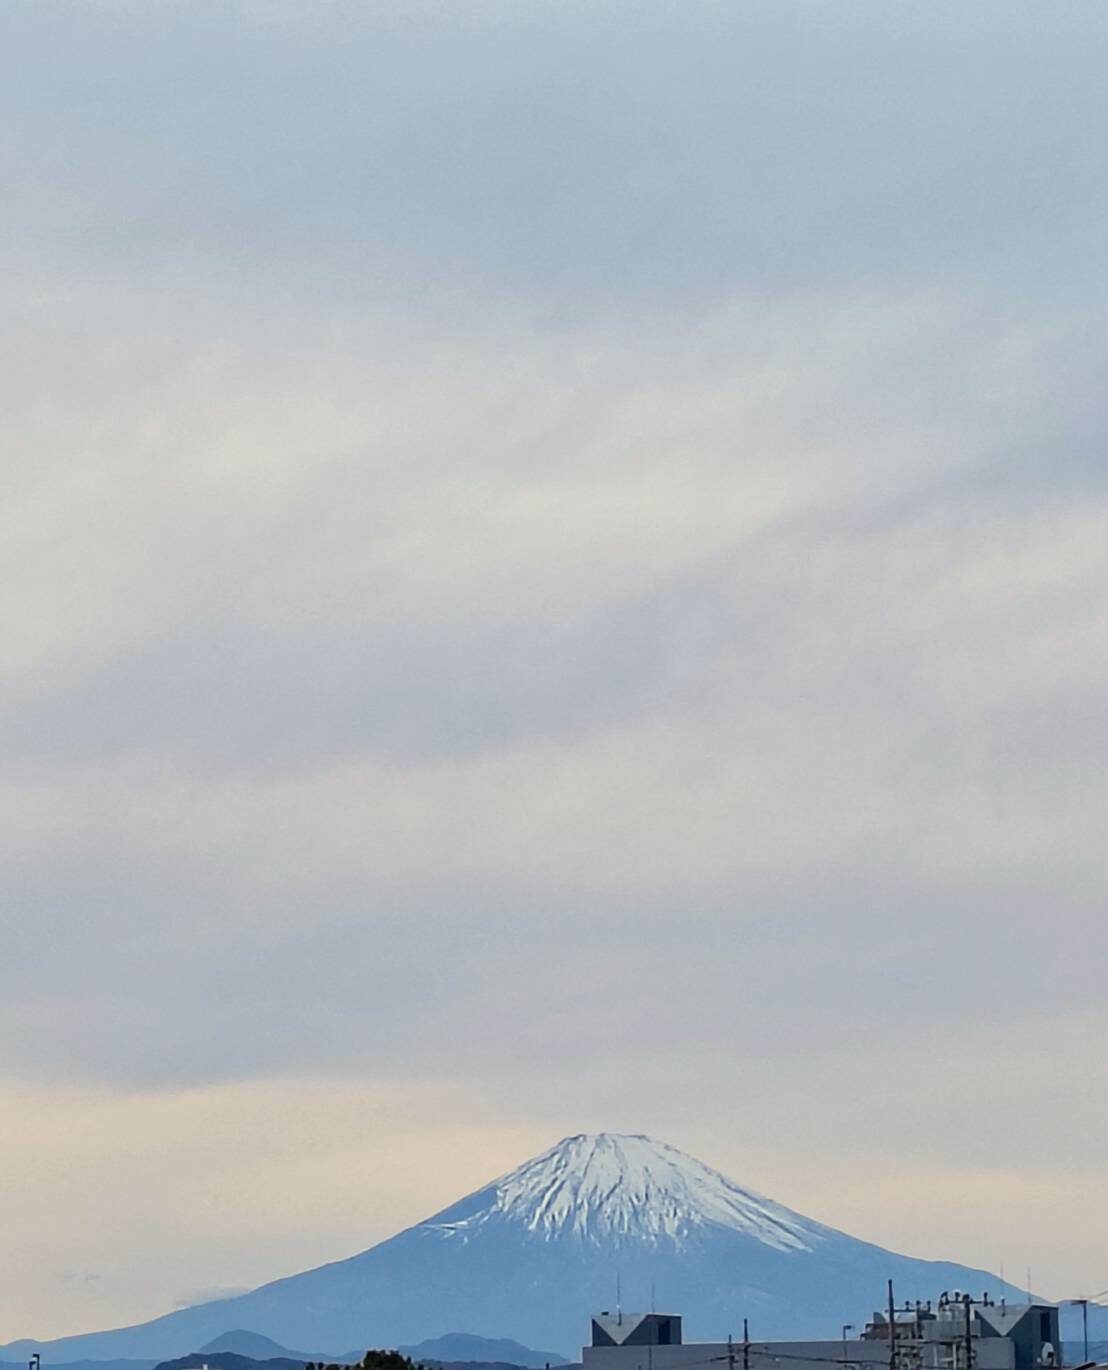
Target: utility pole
{"x":967,"y":1303}
{"x":730,"y":1352}
{"x":892,"y":1329}
{"x":746,"y":1344}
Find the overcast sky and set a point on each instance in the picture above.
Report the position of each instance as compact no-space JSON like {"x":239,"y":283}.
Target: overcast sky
{"x":554,"y":578}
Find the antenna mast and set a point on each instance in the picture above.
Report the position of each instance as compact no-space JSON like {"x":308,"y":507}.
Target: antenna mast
{"x":967,"y":1300}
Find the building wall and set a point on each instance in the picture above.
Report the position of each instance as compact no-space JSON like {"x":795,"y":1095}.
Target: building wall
{"x":995,"y":1353}
{"x":1032,"y":1332}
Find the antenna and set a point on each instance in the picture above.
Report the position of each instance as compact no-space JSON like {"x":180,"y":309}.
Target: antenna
{"x":619,"y":1301}
{"x":652,"y":1308}
{"x":967,"y":1305}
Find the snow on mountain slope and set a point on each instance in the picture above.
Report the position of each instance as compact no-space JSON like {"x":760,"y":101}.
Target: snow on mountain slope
{"x":605,"y":1187}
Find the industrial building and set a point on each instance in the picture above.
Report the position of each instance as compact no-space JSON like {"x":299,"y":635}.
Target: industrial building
{"x":957,"y":1333}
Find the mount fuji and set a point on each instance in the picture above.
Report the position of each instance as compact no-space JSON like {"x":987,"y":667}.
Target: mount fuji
{"x":533,"y":1254}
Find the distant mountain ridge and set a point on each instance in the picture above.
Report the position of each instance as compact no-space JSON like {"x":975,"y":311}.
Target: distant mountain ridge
{"x":452,"y":1348}
{"x":465,"y":1348}
{"x":217,"y":1357}
{"x":532,"y":1254}
{"x":147,"y":1364}
{"x":229,"y":1360}
{"x":241,"y":1342}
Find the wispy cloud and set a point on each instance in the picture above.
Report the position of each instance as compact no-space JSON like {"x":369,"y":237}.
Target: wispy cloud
{"x":542,"y":544}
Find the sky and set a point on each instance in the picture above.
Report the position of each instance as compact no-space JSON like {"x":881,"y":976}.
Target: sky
{"x":554,"y":579}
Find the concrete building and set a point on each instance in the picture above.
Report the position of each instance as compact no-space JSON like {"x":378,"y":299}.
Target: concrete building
{"x":1023,"y":1336}
{"x":956,"y":1334}
{"x":636,"y":1329}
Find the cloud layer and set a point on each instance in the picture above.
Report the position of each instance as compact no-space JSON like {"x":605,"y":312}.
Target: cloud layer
{"x":548,"y":548}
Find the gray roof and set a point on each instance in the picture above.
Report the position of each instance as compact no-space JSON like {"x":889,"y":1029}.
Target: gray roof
{"x":1004,"y":1320}
{"x":619,"y":1326}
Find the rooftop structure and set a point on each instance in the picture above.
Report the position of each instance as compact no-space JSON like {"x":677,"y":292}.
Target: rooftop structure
{"x":636,"y":1329}
{"x":955,"y":1332}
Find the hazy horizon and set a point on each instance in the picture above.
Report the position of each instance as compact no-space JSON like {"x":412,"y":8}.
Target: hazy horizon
{"x":555,"y":581}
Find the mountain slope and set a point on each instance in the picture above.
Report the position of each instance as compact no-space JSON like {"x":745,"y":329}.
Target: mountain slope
{"x":456,"y":1348}
{"x":532,"y":1254}
{"x":254,"y":1346}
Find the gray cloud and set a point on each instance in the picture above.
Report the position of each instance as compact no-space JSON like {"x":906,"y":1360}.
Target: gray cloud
{"x":542,"y":543}
{"x":757,"y":646}
{"x":598,"y":152}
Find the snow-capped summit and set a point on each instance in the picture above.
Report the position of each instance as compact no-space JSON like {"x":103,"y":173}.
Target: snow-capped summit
{"x":606,"y":1187}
